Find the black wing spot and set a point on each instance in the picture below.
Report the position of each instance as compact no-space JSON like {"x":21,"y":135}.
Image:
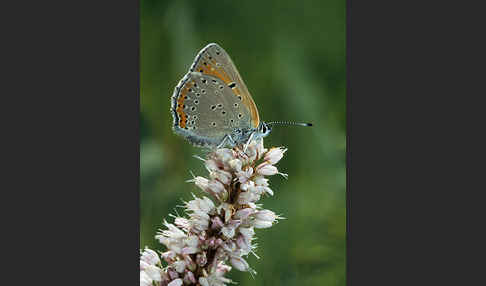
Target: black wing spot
{"x":193,"y":108}
{"x":214,"y":123}
{"x":240,"y":115}
{"x":213,"y":107}
{"x":231,"y":85}
{"x":223,"y":112}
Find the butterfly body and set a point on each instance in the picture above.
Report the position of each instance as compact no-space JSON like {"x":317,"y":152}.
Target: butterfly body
{"x":212,"y":106}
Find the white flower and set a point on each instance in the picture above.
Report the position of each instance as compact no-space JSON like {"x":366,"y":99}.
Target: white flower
{"x":244,"y":175}
{"x":239,"y":263}
{"x":235,"y":164}
{"x":247,"y":232}
{"x":203,"y":281}
{"x":150,"y":256}
{"x":211,"y":165}
{"x":179,"y":266}
{"x":145,"y":280}
{"x":189,"y":278}
{"x":248,"y":197}
{"x":244,"y":213}
{"x":154,"y":272}
{"x":274,"y":155}
{"x":204,"y":205}
{"x":261,"y":181}
{"x":266,"y":169}
{"x":143,"y":265}
{"x":176,"y":282}
{"x":264,"y":219}
{"x":222,"y":176}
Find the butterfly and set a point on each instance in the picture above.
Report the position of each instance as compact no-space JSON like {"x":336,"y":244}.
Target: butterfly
{"x":212,"y":107}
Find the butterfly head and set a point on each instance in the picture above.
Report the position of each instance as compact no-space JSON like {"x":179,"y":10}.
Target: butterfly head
{"x":263,"y":130}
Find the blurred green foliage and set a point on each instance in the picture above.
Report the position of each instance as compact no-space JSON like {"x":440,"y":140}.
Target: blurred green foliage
{"x":291,"y":55}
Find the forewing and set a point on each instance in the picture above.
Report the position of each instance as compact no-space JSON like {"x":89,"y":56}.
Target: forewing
{"x":214,"y":61}
{"x":206,"y":108}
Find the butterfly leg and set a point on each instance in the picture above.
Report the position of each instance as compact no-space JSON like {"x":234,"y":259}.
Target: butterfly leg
{"x":227,"y":139}
{"x":248,"y":142}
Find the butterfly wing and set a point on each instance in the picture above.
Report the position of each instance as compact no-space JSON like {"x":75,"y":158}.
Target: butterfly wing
{"x":214,"y":61}
{"x":205,"y":109}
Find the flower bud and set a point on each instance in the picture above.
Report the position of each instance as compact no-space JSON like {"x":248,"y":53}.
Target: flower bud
{"x":154,"y":272}
{"x":150,"y":256}
{"x":239,"y":263}
{"x":274,"y":155}
{"x":243,"y":213}
{"x":143,"y":265}
{"x":201,"y":259}
{"x":235,"y":164}
{"x":189,"y":278}
{"x":266,"y":169}
{"x":145,"y":280}
{"x":179,"y":266}
{"x":201,"y":182}
{"x":216,"y":223}
{"x":203,"y":281}
{"x":222,"y":176}
{"x":176,"y":282}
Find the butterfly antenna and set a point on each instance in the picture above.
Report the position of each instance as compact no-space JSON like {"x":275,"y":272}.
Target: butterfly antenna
{"x":288,"y":123}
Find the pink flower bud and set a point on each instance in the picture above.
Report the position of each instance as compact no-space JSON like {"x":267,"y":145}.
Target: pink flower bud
{"x":243,"y":243}
{"x":172,"y":273}
{"x":189,"y":278}
{"x":201,"y":182}
{"x":154,"y":272}
{"x":265,"y":215}
{"x":181,"y":222}
{"x":211,"y":165}
{"x":239,"y":263}
{"x":247,"y":232}
{"x":203,"y":281}
{"x":224,"y":155}
{"x":169,"y":256}
{"x":201,"y":259}
{"x":216,"y":186}
{"x":274,"y":155}
{"x":143,"y":265}
{"x":222,"y":176}
{"x":216,"y":222}
{"x":243,"y":213}
{"x":261,"y":181}
{"x":262,"y":224}
{"x":145,"y":280}
{"x":244,"y":175}
{"x":176,"y":282}
{"x":235,"y":164}
{"x":266,"y":169}
{"x":150,"y":256}
{"x":179,"y":266}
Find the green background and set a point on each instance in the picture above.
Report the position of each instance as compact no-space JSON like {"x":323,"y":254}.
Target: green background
{"x":291,"y":55}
